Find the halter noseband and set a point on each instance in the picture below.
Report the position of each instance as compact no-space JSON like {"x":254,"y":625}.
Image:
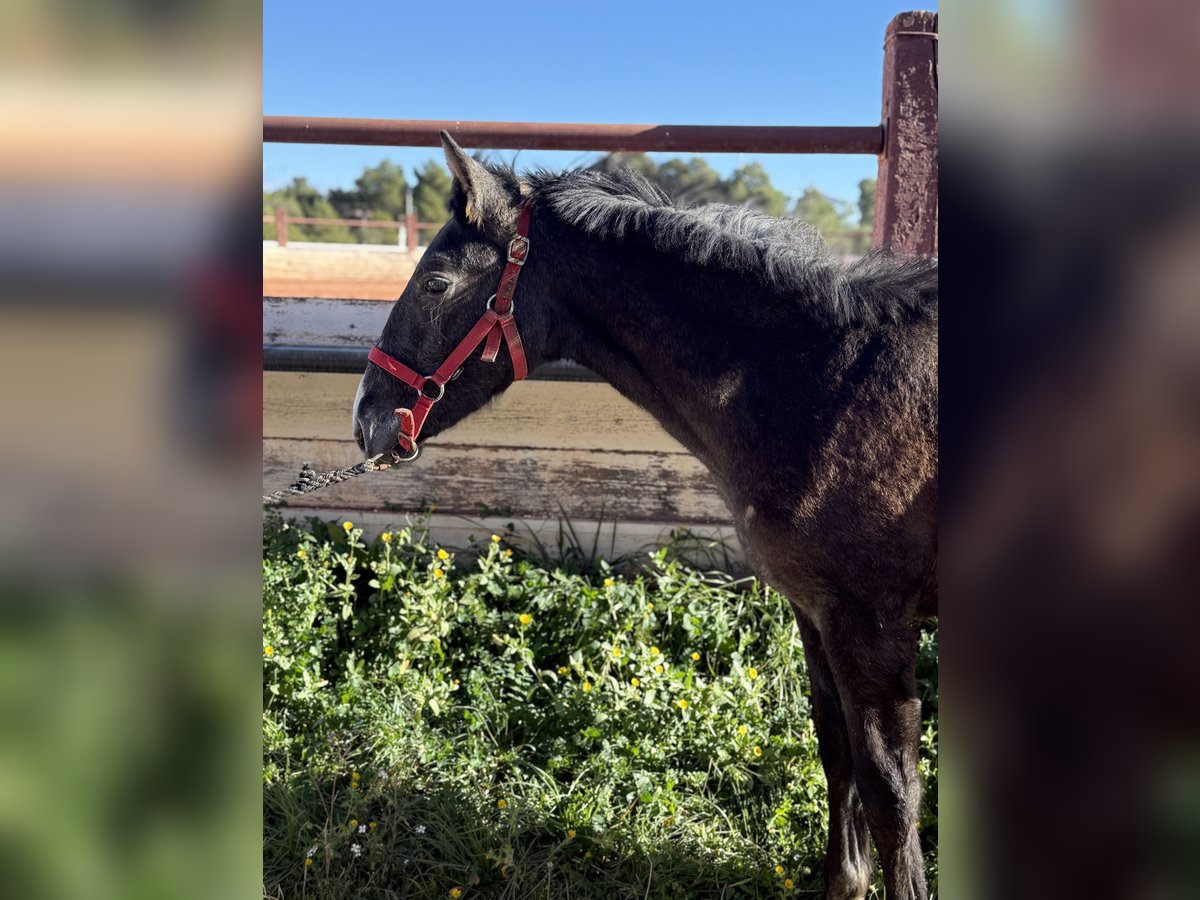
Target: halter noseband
{"x":497,"y":321}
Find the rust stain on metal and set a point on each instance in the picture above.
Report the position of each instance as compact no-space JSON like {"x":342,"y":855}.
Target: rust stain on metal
{"x":906,"y":208}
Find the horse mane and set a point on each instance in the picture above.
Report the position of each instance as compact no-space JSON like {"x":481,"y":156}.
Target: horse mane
{"x":785,"y":257}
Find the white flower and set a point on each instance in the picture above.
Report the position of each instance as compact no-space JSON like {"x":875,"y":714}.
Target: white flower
{"x":420,"y":829}
{"x":356,"y":849}
{"x":362,"y":829}
{"x":312,"y":851}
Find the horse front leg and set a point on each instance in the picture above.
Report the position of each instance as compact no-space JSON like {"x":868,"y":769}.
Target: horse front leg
{"x":874,"y":664}
{"x":848,"y":852}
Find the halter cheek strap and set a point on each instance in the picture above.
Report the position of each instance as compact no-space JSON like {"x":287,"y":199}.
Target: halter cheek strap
{"x":496,"y":324}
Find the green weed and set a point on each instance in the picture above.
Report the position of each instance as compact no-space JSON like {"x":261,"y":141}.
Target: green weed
{"x":475,"y":722}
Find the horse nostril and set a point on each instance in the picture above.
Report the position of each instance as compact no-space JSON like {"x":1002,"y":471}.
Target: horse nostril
{"x":358,"y":437}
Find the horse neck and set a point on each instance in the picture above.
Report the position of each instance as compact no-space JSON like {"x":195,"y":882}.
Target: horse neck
{"x":667,"y":336}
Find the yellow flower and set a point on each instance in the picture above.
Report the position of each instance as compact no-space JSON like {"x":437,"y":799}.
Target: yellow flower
{"x":438,"y":573}
{"x":650,"y":606}
{"x":570,"y":832}
{"x":501,"y":803}
{"x":563,"y":670}
{"x":779,"y":870}
{"x":495,"y":538}
{"x":455,"y":893}
{"x":587,"y":687}
{"x":659,"y":669}
{"x":788,"y":883}
{"x":742,"y":729}
{"x":695,"y":657}
{"x":443,"y":555}
{"x":752,"y":672}
{"x":349,"y":526}
{"x":508,"y":553}
{"x":683,"y":704}
{"x":269,"y":650}
{"x":308,"y":862}
{"x":588,"y":855}
{"x":525,"y":618}
{"x":354,"y":823}
{"x":386,"y":537}
{"x":371,"y":824}
{"x":635,"y":682}
{"x":757,"y":750}
{"x":608,"y":582}
{"x":654,"y":651}
{"x":355,"y":776}
{"x":616,"y":651}
{"x":302,"y":553}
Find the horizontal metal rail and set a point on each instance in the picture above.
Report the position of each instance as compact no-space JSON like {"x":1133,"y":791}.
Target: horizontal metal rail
{"x":352,"y":223}
{"x":866,"y":139}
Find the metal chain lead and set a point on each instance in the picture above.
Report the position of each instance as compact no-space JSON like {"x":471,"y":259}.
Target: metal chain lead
{"x":310,"y":480}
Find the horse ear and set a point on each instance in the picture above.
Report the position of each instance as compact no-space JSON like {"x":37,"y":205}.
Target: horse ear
{"x":486,"y":201}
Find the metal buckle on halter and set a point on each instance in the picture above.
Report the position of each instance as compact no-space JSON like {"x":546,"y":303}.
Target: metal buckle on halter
{"x":440,"y":394}
{"x":518,"y":250}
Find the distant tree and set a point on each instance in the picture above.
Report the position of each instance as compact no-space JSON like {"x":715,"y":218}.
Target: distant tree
{"x":694,"y":181}
{"x":431,"y":196}
{"x":380,"y":195}
{"x":751,"y":185}
{"x":866,"y":203}
{"x":821,"y":211}
{"x":300,"y":199}
{"x":691,"y":181}
{"x":833,"y":219}
{"x":639,"y":162}
{"x":383,"y":190}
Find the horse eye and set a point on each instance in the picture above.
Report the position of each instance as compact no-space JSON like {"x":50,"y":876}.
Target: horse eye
{"x":436,"y":285}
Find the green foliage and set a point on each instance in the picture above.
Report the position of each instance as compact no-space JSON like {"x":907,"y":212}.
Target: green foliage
{"x":833,"y":219}
{"x":380,"y":194}
{"x":821,"y":211}
{"x":436,"y":720}
{"x":866,"y":203}
{"x":639,"y":162}
{"x":751,"y":185}
{"x":302,"y":199}
{"x":431,"y":197}
{"x":383,"y":190}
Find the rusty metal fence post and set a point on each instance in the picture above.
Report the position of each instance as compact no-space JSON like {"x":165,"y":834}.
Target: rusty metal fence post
{"x":281,"y":226}
{"x":907,"y":202}
{"x":410,"y":228}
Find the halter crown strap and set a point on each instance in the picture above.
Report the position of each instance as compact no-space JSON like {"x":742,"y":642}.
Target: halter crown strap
{"x":496,"y":324}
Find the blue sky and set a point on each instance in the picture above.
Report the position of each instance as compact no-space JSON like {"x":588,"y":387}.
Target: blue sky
{"x":693,"y":63}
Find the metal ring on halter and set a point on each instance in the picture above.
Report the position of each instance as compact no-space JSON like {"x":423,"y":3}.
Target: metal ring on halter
{"x":440,"y":394}
{"x":416,"y":450}
{"x":512,"y":304}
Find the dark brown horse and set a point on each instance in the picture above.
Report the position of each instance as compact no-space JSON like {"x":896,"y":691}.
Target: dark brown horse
{"x":808,"y":389}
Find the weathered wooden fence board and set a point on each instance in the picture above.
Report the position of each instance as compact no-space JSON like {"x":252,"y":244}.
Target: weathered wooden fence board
{"x":340,"y":323}
{"x":533,"y":482}
{"x":546,"y":414}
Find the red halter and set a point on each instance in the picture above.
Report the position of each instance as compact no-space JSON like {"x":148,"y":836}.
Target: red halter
{"x":497,"y":321}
